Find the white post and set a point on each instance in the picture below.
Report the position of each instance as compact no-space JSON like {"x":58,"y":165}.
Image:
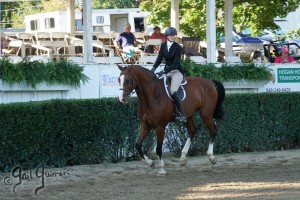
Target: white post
{"x":228,"y":27}
{"x":87,"y":31}
{"x":211,"y":31}
{"x":71,"y":17}
{"x":71,"y":21}
{"x":175,"y":14}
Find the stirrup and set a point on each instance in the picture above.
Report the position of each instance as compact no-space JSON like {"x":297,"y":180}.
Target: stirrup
{"x":181,"y":118}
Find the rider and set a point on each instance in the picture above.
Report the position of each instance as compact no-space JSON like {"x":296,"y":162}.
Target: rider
{"x":171,"y":51}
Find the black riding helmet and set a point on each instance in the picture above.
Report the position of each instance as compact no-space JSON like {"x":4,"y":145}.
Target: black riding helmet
{"x":170,"y":31}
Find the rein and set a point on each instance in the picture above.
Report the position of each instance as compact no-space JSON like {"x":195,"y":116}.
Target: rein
{"x":140,"y":88}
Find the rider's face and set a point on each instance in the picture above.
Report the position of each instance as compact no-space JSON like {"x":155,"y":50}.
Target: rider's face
{"x":171,"y":38}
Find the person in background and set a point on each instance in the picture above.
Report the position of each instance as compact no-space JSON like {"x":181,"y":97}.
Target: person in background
{"x":158,"y":35}
{"x":125,"y":38}
{"x":284,"y":58}
{"x":257,"y":57}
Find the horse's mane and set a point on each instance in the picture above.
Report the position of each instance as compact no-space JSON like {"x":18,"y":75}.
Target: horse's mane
{"x":143,"y":69}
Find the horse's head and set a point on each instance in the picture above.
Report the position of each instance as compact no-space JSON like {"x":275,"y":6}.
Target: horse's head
{"x":127,"y":83}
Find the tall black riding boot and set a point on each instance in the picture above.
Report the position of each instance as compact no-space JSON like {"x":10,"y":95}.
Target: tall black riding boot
{"x":180,"y":114}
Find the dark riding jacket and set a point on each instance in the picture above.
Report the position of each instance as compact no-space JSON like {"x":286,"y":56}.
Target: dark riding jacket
{"x":172,"y":57}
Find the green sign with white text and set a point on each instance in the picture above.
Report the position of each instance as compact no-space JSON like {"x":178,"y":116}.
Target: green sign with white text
{"x":288,"y":75}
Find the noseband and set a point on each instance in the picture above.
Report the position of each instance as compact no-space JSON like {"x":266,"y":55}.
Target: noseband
{"x":132,"y":78}
{"x":130,"y":91}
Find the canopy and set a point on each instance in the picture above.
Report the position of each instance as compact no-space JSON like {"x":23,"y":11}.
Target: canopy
{"x":250,"y":44}
{"x":250,"y":40}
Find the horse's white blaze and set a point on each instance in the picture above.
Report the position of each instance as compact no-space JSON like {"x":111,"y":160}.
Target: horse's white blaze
{"x":121,"y":91}
{"x":210,"y":151}
{"x":185,"y":149}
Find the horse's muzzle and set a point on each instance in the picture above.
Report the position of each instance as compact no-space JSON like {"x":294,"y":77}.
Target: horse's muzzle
{"x":123,"y":98}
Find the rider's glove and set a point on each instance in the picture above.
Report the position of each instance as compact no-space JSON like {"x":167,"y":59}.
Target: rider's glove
{"x":153,"y":69}
{"x":160,"y":73}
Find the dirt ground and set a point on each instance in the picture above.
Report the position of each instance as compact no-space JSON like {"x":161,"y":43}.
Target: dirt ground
{"x":261,"y":175}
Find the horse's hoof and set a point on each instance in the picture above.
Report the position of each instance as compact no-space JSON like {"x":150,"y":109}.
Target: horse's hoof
{"x":213,"y":160}
{"x":151,"y":164}
{"x":161,"y":171}
{"x":183,"y":162}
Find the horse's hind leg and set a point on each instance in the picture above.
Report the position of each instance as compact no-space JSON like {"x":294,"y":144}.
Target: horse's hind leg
{"x":192,"y":131}
{"x":210,"y":124}
{"x":144,"y":132}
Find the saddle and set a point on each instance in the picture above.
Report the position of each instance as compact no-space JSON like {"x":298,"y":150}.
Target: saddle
{"x":181,"y":91}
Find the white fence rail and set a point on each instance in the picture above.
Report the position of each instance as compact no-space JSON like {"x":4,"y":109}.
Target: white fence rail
{"x":104,"y":83}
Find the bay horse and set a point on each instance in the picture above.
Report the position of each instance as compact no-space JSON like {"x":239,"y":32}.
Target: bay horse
{"x":156,"y":109}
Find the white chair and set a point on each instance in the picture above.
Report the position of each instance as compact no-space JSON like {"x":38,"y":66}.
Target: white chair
{"x":106,"y":38}
{"x":78,"y":60}
{"x":147,"y":59}
{"x":59,"y":41}
{"x":154,"y":42}
{"x":39,"y":58}
{"x":27,"y":39}
{"x":13,"y":48}
{"x":139,"y":37}
{"x":43,"y":39}
{"x":15,"y":59}
{"x":77,"y":43}
{"x":100,"y":48}
{"x":233,"y":60}
{"x":198,"y":59}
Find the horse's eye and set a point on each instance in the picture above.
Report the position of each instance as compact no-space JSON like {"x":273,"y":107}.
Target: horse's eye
{"x":126,"y":81}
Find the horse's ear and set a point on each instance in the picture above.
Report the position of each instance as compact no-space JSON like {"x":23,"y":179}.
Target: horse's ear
{"x":120,"y":67}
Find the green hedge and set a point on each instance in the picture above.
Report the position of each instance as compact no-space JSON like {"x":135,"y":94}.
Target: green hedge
{"x":63,"y":72}
{"x":71,"y":132}
{"x":32,"y":73}
{"x":227,"y":72}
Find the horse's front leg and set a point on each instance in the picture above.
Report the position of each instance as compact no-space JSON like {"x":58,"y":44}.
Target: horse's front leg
{"x":144,"y":132}
{"x":160,"y":133}
{"x":190,"y":125}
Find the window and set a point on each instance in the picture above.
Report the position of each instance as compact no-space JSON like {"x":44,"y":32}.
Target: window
{"x":49,"y":23}
{"x":78,"y":25}
{"x":35,"y":25}
{"x":99,"y":19}
{"x":98,"y":28}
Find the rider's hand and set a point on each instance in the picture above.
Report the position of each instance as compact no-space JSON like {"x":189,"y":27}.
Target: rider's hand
{"x":153,"y":69}
{"x":160,"y":73}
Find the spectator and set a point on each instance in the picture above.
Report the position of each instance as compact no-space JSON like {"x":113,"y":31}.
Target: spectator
{"x":257,"y":56}
{"x":125,"y":38}
{"x":158,"y":35}
{"x":284,"y":58}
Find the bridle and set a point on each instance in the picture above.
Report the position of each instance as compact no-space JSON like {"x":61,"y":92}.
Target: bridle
{"x":132,"y":78}
{"x":130,"y":91}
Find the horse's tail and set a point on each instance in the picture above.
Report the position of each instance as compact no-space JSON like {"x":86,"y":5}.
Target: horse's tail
{"x":219,"y":111}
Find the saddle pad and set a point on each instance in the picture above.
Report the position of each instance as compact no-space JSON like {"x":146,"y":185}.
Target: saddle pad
{"x":181,"y":92}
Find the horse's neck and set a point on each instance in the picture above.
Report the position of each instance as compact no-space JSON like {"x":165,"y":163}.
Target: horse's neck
{"x":148,"y":90}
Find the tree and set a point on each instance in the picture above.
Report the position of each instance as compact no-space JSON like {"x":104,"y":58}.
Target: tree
{"x":33,"y":7}
{"x":255,"y":14}
{"x":13,"y":13}
{"x":7,"y":11}
{"x":102,"y":4}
